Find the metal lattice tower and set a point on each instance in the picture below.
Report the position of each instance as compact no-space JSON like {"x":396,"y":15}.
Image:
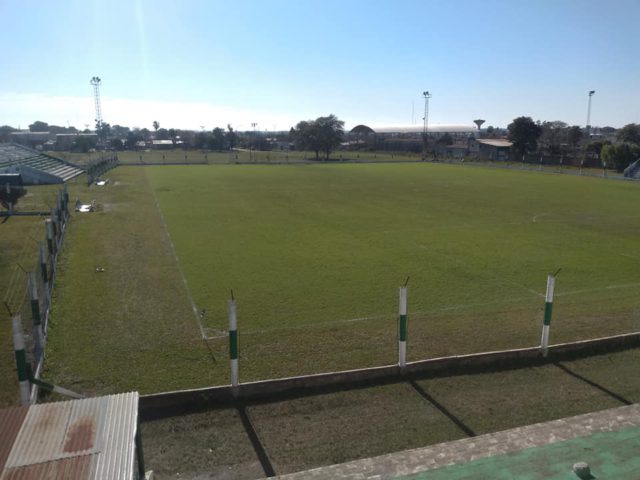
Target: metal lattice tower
{"x":95,"y":81}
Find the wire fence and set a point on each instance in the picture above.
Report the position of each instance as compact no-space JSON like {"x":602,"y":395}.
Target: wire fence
{"x":28,"y":296}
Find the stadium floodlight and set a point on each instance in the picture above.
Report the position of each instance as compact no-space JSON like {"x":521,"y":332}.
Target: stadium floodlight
{"x":588,"y":130}
{"x":425,"y":127}
{"x":591,"y":92}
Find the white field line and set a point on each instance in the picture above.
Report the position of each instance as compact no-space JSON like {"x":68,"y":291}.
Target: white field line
{"x":390,"y":316}
{"x":196,"y":314}
{"x":393,"y":316}
{"x":599,"y":289}
{"x":635,"y":257}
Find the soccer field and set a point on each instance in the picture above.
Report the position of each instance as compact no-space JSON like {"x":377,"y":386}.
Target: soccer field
{"x":315,"y":255}
{"x":319,"y":246}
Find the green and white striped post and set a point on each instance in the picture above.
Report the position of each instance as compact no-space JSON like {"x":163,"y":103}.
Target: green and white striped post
{"x":21,"y":360}
{"x":233,"y":342}
{"x":35,"y":312}
{"x":548,"y":309}
{"x":402,"y":329}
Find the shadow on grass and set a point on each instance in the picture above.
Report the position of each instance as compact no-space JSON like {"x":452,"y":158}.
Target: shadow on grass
{"x":612,"y":394}
{"x":459,"y":423}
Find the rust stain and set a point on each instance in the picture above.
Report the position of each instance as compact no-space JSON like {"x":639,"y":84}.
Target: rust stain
{"x":80,"y":435}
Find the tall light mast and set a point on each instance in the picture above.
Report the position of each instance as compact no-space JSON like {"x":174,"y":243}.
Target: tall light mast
{"x":95,"y":81}
{"x":425,"y":127}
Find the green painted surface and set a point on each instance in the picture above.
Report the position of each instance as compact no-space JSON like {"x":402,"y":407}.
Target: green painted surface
{"x":21,"y":363}
{"x":233,"y":344}
{"x":403,"y":328}
{"x":610,"y":455}
{"x":548,"y":309}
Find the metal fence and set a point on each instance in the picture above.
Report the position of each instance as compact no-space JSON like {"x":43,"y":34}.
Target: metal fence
{"x":29,"y":298}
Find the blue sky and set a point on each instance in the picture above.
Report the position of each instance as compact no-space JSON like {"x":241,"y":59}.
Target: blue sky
{"x":207,"y":63}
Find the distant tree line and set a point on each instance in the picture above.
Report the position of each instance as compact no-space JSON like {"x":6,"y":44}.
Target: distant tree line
{"x":325,"y":134}
{"x":554,"y":138}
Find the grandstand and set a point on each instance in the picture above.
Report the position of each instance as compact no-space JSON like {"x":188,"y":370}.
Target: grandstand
{"x":36,"y":168}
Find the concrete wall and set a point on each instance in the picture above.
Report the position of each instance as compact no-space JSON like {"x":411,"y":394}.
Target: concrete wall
{"x":168,"y":404}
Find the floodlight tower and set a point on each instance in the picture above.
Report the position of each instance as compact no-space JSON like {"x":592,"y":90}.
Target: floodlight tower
{"x":591,"y":92}
{"x":95,"y":81}
{"x":588,"y":128}
{"x":425,"y":127}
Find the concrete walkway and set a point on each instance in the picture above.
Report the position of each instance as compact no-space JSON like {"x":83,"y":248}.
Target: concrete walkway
{"x":608,"y":440}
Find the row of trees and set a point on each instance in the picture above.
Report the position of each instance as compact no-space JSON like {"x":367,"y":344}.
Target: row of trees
{"x":528,"y":136}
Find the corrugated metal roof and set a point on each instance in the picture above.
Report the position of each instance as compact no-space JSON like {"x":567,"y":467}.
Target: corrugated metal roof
{"x":89,"y":438}
{"x":419,"y":128}
{"x":495,"y":142}
{"x":11,"y":420}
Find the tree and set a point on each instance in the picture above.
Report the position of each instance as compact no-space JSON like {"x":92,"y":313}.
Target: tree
{"x":552,"y":135}
{"x":103,"y":130}
{"x":201,"y":140}
{"x":162,"y":134}
{"x":156,"y":125}
{"x":524,"y":133}
{"x":5,"y":133}
{"x":82,"y":144}
{"x":323,"y":134}
{"x":119,"y":131}
{"x":39,"y":126}
{"x":216,"y":142}
{"x":9,"y":196}
{"x":232,"y":137}
{"x":446,"y":139}
{"x":619,"y":156}
{"x":116,"y":144}
{"x":574,"y":135}
{"x":629,"y":133}
{"x":133,"y":138}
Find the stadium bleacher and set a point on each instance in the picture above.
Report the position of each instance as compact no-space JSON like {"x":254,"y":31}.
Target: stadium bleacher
{"x":14,"y":156}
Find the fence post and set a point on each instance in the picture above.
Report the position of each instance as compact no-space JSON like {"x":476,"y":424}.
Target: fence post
{"x":37,"y":320}
{"x":50,"y":243}
{"x":233,"y":342}
{"x":56,"y":227}
{"x":21,"y":359}
{"x":65,"y":197}
{"x":548,"y":309}
{"x":43,"y":269}
{"x":402,"y":329}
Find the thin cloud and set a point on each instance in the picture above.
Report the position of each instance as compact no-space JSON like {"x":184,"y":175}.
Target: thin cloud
{"x":21,"y":109}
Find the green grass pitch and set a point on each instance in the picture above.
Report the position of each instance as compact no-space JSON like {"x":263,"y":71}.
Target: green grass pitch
{"x":315,"y":255}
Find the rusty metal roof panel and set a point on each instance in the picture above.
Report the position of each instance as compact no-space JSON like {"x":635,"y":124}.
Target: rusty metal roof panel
{"x":41,"y":435}
{"x":11,"y":420}
{"x":93,"y":438}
